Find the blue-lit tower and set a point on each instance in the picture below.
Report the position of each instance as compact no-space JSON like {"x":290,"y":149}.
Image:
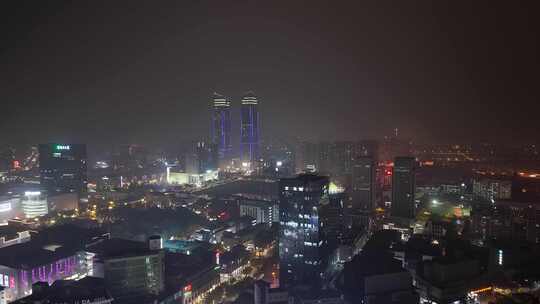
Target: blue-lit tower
{"x":221,"y":125}
{"x":249,"y":130}
{"x":301,"y":238}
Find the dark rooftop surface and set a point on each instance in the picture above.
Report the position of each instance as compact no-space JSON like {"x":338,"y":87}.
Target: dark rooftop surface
{"x":47,"y":246}
{"x":366,"y":264}
{"x":372,"y":263}
{"x":28,"y":255}
{"x":116,"y":248}
{"x":382,"y":240}
{"x":10,"y":231}
{"x":64,"y":291}
{"x":305,"y":178}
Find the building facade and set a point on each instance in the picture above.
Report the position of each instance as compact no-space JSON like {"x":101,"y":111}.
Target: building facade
{"x":18,"y":279}
{"x":34,"y":204}
{"x":403,"y":188}
{"x":131,"y":269}
{"x":249,"y":130}
{"x":261,"y":210}
{"x":300,"y":237}
{"x":63,"y":168}
{"x":221,"y":125}
{"x":363,"y":184}
{"x":492,"y":189}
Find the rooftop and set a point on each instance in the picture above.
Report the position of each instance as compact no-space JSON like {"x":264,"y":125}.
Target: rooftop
{"x":305,"y":178}
{"x":64,"y":291}
{"x":47,"y":246}
{"x":10,"y":231}
{"x":116,"y":248}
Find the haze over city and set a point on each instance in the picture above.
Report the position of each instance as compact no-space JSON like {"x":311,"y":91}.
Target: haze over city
{"x":138,"y":72}
{"x":278,"y":152}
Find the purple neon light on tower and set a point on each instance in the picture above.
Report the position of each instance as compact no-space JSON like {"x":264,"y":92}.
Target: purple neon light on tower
{"x":221,"y":125}
{"x":249,"y":131}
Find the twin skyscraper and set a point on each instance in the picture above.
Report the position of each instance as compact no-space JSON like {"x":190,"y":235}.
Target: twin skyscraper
{"x":249,"y":129}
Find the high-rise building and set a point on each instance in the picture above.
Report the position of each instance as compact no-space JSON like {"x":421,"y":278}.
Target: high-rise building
{"x":300,"y":237}
{"x":332,"y":223}
{"x":403,"y":187}
{"x":63,"y":168}
{"x":334,"y":158}
{"x":249,"y":131}
{"x":34,"y":204}
{"x":221,"y":125}
{"x":363,"y":184}
{"x":201,"y":165}
{"x":203,"y":158}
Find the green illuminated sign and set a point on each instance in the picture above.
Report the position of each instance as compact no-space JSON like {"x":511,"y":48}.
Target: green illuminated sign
{"x":63,"y":147}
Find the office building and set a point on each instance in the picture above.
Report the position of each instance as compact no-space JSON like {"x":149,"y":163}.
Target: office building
{"x":202,"y":159}
{"x":403,"y":188}
{"x":201,"y":165}
{"x":300,"y":239}
{"x":506,"y":220}
{"x":333,"y":223}
{"x":249,"y":131}
{"x":333,"y":158}
{"x":263,"y":211}
{"x":492,"y":189}
{"x":63,"y":169}
{"x":363,"y":184}
{"x":221,"y":125}
{"x":34,"y":204}
{"x":131,"y":270}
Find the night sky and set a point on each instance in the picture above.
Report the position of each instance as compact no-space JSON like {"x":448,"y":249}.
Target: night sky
{"x":144,"y":71}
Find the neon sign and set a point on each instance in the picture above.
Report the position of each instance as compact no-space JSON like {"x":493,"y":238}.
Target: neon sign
{"x":63,"y":147}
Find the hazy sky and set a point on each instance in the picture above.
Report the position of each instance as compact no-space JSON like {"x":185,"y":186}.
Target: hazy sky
{"x":144,"y":71}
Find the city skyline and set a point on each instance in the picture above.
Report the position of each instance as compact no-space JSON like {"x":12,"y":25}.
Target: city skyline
{"x":250,"y":152}
{"x":359,"y":70}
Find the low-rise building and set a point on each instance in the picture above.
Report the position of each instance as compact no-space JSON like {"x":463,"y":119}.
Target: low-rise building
{"x":447,"y":279}
{"x":56,"y":253}
{"x":375,"y":277}
{"x":131,"y":269}
{"x":12,"y":235}
{"x":189,"y":278}
{"x":232,"y":263}
{"x":88,"y":290}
